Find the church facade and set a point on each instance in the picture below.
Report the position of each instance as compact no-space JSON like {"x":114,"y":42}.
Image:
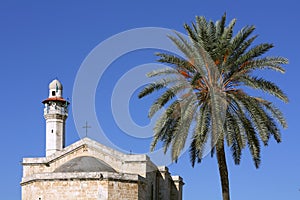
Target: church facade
{"x":88,"y":170}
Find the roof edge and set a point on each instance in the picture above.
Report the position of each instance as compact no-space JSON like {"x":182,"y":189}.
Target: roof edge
{"x":82,"y":176}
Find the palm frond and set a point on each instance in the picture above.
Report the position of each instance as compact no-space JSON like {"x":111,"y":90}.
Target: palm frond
{"x":191,"y":33}
{"x":200,"y":134}
{"x":157,"y":86}
{"x":187,"y":116}
{"x":165,"y":97}
{"x":175,"y":61}
{"x":220,"y":26}
{"x":166,"y":125}
{"x":253,"y":53}
{"x":240,"y":37}
{"x":276,"y":113}
{"x":252,"y":140}
{"x":257,"y":115}
{"x":231,"y":63}
{"x":266,"y":86}
{"x":163,"y":71}
{"x":273,"y":63}
{"x":250,"y":133}
{"x":183,"y":45}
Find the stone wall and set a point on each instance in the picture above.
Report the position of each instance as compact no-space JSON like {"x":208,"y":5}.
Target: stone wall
{"x":123,"y":190}
{"x":81,"y":190}
{"x":66,"y":190}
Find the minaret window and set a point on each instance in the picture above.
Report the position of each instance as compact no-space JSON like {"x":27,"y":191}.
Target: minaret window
{"x":53,"y":93}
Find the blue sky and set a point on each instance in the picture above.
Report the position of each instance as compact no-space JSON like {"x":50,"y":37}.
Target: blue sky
{"x":41,"y":40}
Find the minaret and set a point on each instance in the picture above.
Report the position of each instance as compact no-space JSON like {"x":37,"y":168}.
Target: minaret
{"x":55,"y":113}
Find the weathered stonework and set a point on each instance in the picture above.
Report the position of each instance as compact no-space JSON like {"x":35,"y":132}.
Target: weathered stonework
{"x":134,"y":176}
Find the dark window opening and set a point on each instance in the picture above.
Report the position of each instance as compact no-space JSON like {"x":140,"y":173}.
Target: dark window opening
{"x":53,"y":93}
{"x":51,"y":130}
{"x":152,"y":192}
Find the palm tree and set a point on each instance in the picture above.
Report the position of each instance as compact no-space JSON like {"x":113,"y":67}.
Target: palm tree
{"x":212,"y":105}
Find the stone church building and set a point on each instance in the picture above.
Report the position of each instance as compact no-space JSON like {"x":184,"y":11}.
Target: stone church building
{"x":88,"y":170}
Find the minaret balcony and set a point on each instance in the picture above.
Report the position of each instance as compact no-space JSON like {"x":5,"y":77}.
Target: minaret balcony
{"x":55,"y":110}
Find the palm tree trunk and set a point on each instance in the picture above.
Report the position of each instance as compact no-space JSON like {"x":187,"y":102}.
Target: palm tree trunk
{"x":223,"y":169}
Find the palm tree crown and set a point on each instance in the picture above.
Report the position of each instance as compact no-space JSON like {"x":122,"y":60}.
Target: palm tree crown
{"x":211,"y":102}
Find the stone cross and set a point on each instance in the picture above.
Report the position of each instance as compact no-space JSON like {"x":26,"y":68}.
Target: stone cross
{"x":86,"y":128}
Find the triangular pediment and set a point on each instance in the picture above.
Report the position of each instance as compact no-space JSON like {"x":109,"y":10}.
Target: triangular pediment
{"x":96,"y":153}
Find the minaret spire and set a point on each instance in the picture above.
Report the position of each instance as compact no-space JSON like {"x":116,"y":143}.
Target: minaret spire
{"x":55,"y":114}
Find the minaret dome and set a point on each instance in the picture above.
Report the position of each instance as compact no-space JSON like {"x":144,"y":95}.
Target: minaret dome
{"x":55,"y":89}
